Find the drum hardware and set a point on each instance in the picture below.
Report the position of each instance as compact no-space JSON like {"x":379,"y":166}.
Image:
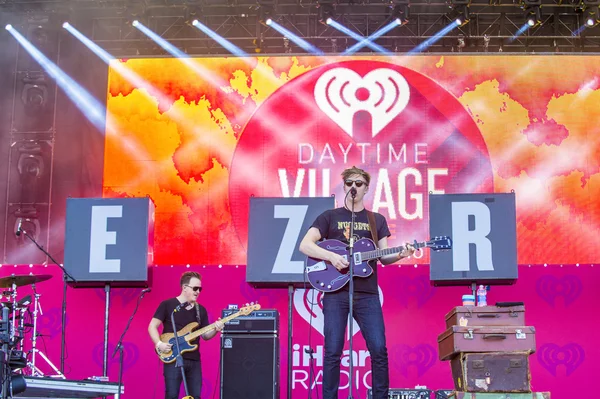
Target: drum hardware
{"x":18,"y":358}
{"x":35,"y":371}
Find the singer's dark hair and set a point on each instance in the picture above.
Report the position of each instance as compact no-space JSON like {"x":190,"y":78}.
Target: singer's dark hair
{"x":356,"y":171}
{"x":187,"y":276}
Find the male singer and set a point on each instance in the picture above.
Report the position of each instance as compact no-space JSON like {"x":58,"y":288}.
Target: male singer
{"x":191,"y":311}
{"x":335,"y":224}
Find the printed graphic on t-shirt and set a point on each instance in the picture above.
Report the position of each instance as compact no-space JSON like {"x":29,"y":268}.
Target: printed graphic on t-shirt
{"x":358,"y":226}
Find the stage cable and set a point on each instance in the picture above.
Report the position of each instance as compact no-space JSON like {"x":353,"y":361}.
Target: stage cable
{"x":311,"y":353}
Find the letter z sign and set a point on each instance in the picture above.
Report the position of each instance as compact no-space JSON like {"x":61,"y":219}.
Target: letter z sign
{"x":483,"y":228}
{"x":275,"y":228}
{"x":109,"y":239}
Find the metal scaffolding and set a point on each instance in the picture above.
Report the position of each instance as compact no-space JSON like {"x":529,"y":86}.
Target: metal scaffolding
{"x":491,"y":28}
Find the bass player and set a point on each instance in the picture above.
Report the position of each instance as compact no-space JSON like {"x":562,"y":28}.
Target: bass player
{"x":189,"y":311}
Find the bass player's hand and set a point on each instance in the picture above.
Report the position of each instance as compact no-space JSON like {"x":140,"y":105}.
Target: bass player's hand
{"x":163,"y":347}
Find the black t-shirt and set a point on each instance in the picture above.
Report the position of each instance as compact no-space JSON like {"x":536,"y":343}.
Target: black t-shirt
{"x":182,"y":319}
{"x":334,"y":224}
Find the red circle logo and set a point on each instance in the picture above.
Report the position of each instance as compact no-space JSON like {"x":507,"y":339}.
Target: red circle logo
{"x":408,"y":132}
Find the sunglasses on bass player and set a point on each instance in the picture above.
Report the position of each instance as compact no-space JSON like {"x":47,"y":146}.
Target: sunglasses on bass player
{"x":195,"y":289}
{"x":358,"y":183}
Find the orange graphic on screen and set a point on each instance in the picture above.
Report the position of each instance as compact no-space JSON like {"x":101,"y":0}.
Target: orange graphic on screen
{"x":200,"y":140}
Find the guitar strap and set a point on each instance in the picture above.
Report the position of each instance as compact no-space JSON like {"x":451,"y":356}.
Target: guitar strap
{"x":197,"y":313}
{"x":373,"y":227}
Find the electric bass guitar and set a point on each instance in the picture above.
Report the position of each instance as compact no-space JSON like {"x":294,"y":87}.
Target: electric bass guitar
{"x":187,"y":334}
{"x":325,"y":277}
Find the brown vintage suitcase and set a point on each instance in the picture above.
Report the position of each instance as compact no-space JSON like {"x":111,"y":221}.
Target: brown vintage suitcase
{"x":459,"y":339}
{"x":480,"y":395}
{"x":491,"y":372}
{"x":486,"y":316}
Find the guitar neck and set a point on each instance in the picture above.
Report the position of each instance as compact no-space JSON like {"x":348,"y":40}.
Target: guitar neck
{"x":211,"y":327}
{"x":378,"y":253}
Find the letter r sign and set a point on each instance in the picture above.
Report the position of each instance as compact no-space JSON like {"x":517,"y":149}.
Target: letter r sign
{"x":483,"y":229}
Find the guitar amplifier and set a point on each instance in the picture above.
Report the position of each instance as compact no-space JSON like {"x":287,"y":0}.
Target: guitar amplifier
{"x":264,"y":321}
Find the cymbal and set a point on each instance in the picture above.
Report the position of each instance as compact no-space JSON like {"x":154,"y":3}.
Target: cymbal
{"x":7,"y":282}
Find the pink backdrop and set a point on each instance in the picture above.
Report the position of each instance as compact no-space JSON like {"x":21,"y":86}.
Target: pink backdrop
{"x":561,"y":302}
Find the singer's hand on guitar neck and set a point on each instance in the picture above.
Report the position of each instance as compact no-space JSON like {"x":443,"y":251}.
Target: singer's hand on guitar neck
{"x":338,"y":261}
{"x":408,"y":250}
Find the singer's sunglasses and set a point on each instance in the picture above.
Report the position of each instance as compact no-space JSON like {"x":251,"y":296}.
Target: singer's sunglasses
{"x":195,"y":289}
{"x":358,"y":183}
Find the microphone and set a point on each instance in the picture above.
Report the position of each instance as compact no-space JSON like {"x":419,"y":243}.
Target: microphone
{"x":19,"y":227}
{"x":180,"y":306}
{"x":353,"y":191}
{"x":146,"y":290}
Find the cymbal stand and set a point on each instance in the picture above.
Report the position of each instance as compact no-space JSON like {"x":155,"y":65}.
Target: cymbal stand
{"x":14,"y":311}
{"x":35,"y":371}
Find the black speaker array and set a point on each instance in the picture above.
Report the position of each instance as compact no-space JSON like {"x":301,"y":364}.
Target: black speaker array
{"x":250,"y":357}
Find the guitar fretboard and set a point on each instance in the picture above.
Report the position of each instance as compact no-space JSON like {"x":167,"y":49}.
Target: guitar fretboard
{"x":378,"y":253}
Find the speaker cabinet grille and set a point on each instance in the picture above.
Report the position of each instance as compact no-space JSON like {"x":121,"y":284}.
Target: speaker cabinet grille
{"x":249,"y":366}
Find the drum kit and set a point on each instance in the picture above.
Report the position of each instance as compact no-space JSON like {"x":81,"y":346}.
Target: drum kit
{"x":17,"y":320}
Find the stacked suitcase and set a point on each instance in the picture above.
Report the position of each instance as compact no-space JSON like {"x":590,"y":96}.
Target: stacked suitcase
{"x":488,"y":348}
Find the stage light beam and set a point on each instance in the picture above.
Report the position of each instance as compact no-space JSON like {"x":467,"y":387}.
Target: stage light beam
{"x":358,"y":38}
{"x":296,"y":39}
{"x":89,"y":106}
{"x":8,"y":27}
{"x":232,"y":48}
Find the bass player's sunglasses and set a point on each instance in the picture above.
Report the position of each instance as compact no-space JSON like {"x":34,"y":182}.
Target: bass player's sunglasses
{"x":358,"y":183}
{"x":195,"y":289}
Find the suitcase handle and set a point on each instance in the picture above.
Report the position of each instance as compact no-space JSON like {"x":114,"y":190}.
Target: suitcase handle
{"x":487,"y":315}
{"x":494,"y":336}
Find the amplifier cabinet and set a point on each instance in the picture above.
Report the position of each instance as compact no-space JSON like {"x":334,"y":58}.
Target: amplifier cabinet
{"x":249,"y":366}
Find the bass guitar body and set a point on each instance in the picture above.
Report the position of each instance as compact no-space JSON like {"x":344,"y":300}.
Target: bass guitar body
{"x":183,"y":336}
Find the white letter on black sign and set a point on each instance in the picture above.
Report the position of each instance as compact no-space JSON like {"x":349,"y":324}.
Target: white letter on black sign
{"x":283,"y":261}
{"x":462,"y":236}
{"x":100,"y":238}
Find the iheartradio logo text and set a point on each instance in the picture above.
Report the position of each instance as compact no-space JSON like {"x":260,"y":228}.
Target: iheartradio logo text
{"x":400,"y":186}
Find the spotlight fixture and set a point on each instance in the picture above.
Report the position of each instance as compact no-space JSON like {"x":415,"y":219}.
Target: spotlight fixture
{"x":135,"y":23}
{"x":8,"y":27}
{"x":269,"y":21}
{"x":326,"y":13}
{"x":66,"y":25}
{"x":400,"y":13}
{"x":460,"y":15}
{"x":195,"y":22}
{"x":592,"y":16}
{"x":533,"y":16}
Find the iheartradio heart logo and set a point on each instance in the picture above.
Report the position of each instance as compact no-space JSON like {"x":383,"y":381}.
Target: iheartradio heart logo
{"x":341,"y":92}
{"x":309,"y":305}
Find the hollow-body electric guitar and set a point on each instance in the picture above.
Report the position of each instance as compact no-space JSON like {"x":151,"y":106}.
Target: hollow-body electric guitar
{"x":324,"y":277}
{"x":187,"y":334}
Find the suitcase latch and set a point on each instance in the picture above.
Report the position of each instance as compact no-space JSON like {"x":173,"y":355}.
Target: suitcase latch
{"x":521,"y":335}
{"x":468,"y":334}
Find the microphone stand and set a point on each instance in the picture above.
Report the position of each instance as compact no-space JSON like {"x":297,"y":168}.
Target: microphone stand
{"x":179,"y":359}
{"x":66,"y":276}
{"x":351,"y":295}
{"x":119,"y":347}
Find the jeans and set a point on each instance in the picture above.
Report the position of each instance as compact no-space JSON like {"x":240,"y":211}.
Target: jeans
{"x":173,"y":379}
{"x":368,"y":315}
